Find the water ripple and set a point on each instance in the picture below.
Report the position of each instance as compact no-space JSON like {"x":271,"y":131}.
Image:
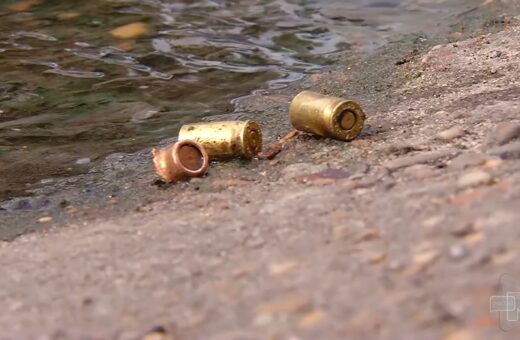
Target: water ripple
{"x":75,"y":73}
{"x":34,"y":35}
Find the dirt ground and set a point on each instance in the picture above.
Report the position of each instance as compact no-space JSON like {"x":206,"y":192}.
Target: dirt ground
{"x":402,"y":234}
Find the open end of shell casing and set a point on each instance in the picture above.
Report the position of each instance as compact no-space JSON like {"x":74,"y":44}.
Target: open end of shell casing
{"x":326,"y":116}
{"x":227,"y":139}
{"x":181,"y":160}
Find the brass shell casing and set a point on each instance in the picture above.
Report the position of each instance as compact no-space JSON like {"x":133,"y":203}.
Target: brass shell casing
{"x":227,"y":139}
{"x":181,"y":160}
{"x":326,"y":116}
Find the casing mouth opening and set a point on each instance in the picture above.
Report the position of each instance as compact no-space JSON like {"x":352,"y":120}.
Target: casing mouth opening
{"x":191,"y":157}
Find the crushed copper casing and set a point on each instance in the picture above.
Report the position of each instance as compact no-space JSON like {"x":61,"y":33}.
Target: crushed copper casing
{"x":326,"y":116}
{"x":180,"y":160}
{"x":226,"y":139}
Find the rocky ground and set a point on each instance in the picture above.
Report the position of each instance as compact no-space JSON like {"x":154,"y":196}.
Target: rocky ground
{"x":401,"y":234}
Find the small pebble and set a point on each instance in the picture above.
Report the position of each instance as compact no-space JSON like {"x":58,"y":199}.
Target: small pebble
{"x":474,"y":238}
{"x":282,"y":268}
{"x":45,"y":219}
{"x":474,"y":178}
{"x":284,"y":305}
{"x":395,"y":265}
{"x":432,"y":221}
{"x":467,"y":160}
{"x":458,"y":251}
{"x":368,"y":234}
{"x":494,"y":163}
{"x":462,"y":334}
{"x":421,"y":261}
{"x":83,"y":161}
{"x":341,"y":232}
{"x":425,"y":257}
{"x":504,"y":258}
{"x":464,"y":230}
{"x":451,"y":134}
{"x":312,"y":319}
{"x":420,"y":171}
{"x":507,"y":151}
{"x":503,"y":134}
{"x":377,"y":258}
{"x":494,"y":54}
{"x":159,"y":334}
{"x":425,"y":60}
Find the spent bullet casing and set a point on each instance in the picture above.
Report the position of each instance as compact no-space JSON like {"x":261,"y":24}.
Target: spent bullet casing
{"x":226,"y":139}
{"x":181,"y":160}
{"x":326,"y":116}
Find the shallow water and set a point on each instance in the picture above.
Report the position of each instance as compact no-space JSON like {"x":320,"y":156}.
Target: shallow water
{"x":73,"y":90}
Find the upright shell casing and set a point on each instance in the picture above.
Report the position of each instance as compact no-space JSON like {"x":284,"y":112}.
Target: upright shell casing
{"x":326,"y":116}
{"x":226,"y":139}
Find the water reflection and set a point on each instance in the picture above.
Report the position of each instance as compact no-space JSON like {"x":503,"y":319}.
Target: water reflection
{"x":85,"y":78}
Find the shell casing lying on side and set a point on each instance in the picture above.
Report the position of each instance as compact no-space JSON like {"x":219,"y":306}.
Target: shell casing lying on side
{"x":181,"y":160}
{"x":226,"y":139}
{"x":326,"y":116}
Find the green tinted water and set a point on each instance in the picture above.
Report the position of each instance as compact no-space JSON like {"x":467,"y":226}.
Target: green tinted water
{"x":71,"y":92}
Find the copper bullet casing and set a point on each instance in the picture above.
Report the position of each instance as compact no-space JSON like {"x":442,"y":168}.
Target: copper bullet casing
{"x":181,"y":160}
{"x":226,"y":139}
{"x":326,"y":116}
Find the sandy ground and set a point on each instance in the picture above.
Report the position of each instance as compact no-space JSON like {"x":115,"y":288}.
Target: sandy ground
{"x":407,"y":238}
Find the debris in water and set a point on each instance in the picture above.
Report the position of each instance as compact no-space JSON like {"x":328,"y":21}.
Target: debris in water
{"x":130,"y":31}
{"x":68,"y":15}
{"x":160,"y":75}
{"x":22,"y":6}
